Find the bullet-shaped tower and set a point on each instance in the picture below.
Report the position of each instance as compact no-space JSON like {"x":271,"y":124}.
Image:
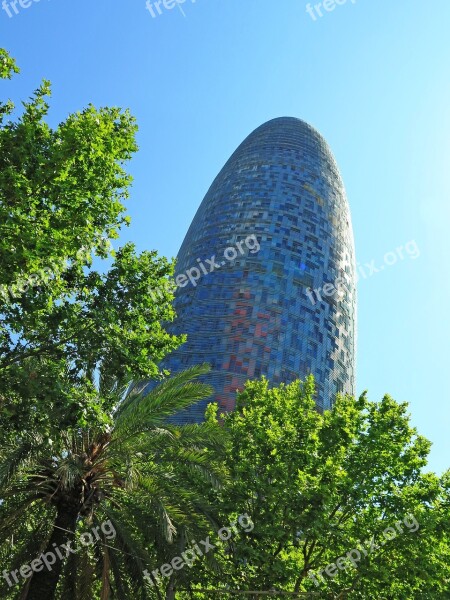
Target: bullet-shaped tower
{"x":282,"y":301}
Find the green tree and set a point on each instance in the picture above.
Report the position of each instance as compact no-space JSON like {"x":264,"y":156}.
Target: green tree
{"x":318,"y":486}
{"x":79,"y":444}
{"x":61,"y":205}
{"x":145,"y":478}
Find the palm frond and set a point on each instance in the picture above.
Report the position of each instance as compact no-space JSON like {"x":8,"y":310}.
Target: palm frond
{"x":168,"y":398}
{"x":204,"y":435}
{"x":13,"y":460}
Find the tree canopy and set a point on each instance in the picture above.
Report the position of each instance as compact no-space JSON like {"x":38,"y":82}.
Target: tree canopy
{"x":61,"y":205}
{"x":347,"y":485}
{"x":143,"y":477}
{"x":340,"y":503}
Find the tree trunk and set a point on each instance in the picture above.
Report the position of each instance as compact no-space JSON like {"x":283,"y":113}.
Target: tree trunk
{"x":42,"y":585}
{"x":170,"y":590}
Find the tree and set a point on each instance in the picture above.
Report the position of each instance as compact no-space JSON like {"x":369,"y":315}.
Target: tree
{"x":143,"y":477}
{"x":347,"y":484}
{"x":79,"y":444}
{"x":61,"y":205}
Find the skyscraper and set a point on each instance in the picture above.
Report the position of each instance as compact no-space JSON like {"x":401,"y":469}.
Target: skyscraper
{"x":266,"y":272}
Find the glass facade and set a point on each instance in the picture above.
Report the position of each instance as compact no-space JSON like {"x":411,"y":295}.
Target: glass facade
{"x":270,"y":312}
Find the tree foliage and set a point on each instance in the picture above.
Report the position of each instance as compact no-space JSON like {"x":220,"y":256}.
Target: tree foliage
{"x":81,"y":443}
{"x":144,"y":477}
{"x":61,"y":205}
{"x":318,"y":486}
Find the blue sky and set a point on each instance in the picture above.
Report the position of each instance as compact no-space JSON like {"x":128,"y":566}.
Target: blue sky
{"x":373,"y":77}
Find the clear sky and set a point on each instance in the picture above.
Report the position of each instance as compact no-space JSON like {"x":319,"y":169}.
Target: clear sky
{"x":372,"y":76}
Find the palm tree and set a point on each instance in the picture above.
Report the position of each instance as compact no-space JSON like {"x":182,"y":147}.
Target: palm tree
{"x":147,"y":479}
